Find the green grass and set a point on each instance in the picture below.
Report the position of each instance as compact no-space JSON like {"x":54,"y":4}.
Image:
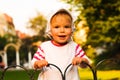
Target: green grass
{"x":19,"y":75}
{"x":85,"y":74}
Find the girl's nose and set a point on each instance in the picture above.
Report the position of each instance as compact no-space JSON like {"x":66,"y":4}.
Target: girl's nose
{"x":61,"y":29}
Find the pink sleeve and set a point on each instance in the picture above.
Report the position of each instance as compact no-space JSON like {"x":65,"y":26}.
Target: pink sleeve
{"x":39,"y":55}
{"x":79,"y":51}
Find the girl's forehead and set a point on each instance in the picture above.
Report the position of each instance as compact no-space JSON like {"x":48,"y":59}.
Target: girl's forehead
{"x":66,"y":16}
{"x":61,"y":20}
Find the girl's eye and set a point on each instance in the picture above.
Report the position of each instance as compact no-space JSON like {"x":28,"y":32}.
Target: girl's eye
{"x":56,"y":27}
{"x":67,"y":27}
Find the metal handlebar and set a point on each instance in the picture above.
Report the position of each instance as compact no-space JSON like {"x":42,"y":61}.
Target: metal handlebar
{"x":64,"y":74}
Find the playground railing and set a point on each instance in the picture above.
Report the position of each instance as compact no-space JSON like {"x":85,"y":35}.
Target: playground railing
{"x":63,"y":75}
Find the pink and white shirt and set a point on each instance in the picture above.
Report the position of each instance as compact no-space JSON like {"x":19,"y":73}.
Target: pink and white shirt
{"x":61,"y":56}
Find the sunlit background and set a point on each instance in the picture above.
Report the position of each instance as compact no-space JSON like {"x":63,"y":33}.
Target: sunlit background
{"x":97,"y":30}
{"x":22,"y":10}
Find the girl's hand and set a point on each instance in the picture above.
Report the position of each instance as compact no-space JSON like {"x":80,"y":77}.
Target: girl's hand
{"x":78,"y":61}
{"x":40,"y":64}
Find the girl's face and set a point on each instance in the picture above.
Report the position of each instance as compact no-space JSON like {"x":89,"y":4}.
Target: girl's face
{"x":61,"y":29}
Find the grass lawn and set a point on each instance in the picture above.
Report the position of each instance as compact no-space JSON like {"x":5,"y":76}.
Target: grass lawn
{"x":84,"y":75}
{"x":19,"y":75}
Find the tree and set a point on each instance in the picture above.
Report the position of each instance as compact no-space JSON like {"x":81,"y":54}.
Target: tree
{"x":103,"y":19}
{"x":37,"y":24}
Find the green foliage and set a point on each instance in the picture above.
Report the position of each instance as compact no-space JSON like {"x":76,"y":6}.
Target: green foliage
{"x":3,"y":42}
{"x":38,"y":24}
{"x":103,"y":18}
{"x":7,"y":38}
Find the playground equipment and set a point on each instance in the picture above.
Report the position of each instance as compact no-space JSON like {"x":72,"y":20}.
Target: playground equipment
{"x":63,"y":75}
{"x":31,"y":75}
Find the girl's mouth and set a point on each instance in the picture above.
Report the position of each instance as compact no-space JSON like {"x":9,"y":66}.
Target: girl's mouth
{"x":62,"y":36}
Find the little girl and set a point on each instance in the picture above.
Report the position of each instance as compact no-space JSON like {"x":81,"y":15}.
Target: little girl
{"x":60,"y":50}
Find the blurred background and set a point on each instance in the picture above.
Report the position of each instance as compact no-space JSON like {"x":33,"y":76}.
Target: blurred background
{"x":97,"y":24}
